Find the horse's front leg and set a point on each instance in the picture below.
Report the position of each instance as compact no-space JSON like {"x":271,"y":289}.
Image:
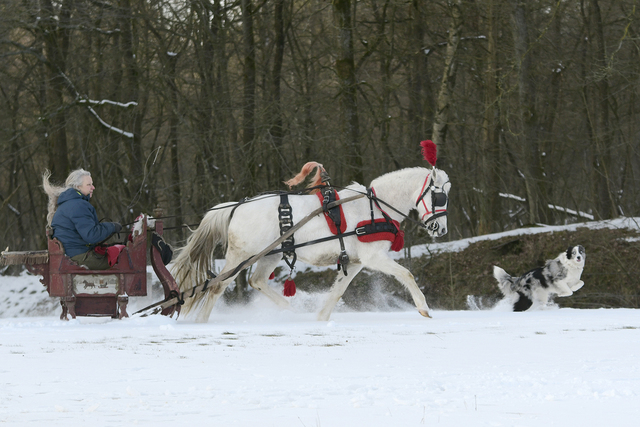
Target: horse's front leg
{"x":337,"y":290}
{"x":386,"y":265}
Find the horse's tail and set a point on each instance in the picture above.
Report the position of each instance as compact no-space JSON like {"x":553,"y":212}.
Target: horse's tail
{"x":304,"y":172}
{"x":197,"y":256}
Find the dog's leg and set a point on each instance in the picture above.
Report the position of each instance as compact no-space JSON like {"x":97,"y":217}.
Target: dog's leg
{"x":563,"y":289}
{"x":577,"y":286}
{"x":539,"y":299}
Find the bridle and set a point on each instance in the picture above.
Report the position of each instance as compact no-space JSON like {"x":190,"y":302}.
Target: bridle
{"x":439,"y":198}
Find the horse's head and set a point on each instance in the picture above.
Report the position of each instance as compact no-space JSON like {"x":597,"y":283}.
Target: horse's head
{"x":433,"y":202}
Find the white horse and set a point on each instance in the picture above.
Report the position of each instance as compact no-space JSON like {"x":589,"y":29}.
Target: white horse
{"x":247,"y":228}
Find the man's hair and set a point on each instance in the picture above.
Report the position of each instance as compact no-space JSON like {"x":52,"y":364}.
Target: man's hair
{"x":74,"y":180}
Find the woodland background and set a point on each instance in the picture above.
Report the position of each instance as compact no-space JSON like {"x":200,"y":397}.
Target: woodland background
{"x":185,"y":104}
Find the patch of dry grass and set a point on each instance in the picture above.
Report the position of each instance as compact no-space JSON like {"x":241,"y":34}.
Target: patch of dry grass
{"x":611,"y":274}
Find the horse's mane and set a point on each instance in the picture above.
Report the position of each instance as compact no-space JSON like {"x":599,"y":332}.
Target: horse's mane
{"x":317,"y":179}
{"x":304,"y":172}
{"x":399,"y":172}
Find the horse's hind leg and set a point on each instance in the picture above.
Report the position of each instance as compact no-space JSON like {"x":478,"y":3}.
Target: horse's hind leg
{"x":386,"y":265}
{"x":259,"y":278}
{"x":337,"y":290}
{"x":208,"y":301}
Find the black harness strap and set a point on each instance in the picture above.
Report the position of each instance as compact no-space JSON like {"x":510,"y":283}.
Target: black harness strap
{"x":372,"y":228}
{"x":313,"y":242}
{"x":285,"y":217}
{"x":378,"y":227}
{"x":233,"y":210}
{"x":329,"y":194}
{"x":371,"y":193}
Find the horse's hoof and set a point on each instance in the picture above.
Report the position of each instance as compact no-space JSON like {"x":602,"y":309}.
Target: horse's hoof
{"x":424,"y":312}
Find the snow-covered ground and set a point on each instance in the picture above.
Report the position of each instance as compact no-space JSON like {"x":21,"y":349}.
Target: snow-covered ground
{"x":258,"y":366}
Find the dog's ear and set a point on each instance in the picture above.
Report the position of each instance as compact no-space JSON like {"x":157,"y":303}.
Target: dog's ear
{"x":569,"y":252}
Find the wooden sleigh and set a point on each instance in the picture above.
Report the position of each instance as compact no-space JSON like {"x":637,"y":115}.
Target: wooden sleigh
{"x":84,"y":292}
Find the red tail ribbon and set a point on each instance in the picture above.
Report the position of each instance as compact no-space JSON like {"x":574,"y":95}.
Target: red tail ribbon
{"x":289,"y":288}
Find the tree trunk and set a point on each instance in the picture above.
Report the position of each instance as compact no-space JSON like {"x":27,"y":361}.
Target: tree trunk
{"x":417,"y":75}
{"x":386,"y":77}
{"x":131,"y":91}
{"x":217,"y":162}
{"x":441,"y":119}
{"x":205,"y":36}
{"x":490,"y":204}
{"x":276,"y":131}
{"x":174,"y":120}
{"x":602,"y":134}
{"x":345,"y":70}
{"x":55,"y":35}
{"x":249,"y":96}
{"x":531,"y":162}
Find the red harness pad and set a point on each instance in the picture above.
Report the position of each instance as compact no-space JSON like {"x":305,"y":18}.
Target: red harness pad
{"x":397,"y":238}
{"x":332,"y":225}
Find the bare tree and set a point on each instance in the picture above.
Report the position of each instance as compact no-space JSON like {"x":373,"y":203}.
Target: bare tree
{"x":249,"y":95}
{"x":444,"y":101}
{"x":346,"y":73}
{"x":54,"y":32}
{"x":276,"y":131}
{"x":490,"y":204}
{"x":418,"y":77}
{"x":528,"y":138}
{"x":597,"y":101}
{"x":545,"y":93}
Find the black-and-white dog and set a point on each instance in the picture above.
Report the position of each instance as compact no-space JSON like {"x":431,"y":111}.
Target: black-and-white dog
{"x":560,"y":276}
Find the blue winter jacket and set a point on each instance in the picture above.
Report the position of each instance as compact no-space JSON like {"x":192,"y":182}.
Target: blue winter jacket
{"x":76,"y":224}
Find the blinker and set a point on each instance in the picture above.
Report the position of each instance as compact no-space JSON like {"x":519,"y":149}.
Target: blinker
{"x":439,"y":198}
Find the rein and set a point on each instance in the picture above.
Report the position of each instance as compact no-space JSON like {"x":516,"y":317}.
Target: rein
{"x":438,"y":198}
{"x":241,"y":202}
{"x":301,"y":193}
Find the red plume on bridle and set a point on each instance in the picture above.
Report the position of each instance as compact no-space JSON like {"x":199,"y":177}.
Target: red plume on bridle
{"x":429,"y":151}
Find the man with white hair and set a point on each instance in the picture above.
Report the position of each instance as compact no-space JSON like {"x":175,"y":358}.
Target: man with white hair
{"x":74,"y":220}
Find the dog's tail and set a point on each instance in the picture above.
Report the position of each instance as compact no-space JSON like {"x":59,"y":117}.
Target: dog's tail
{"x":505,"y":281}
